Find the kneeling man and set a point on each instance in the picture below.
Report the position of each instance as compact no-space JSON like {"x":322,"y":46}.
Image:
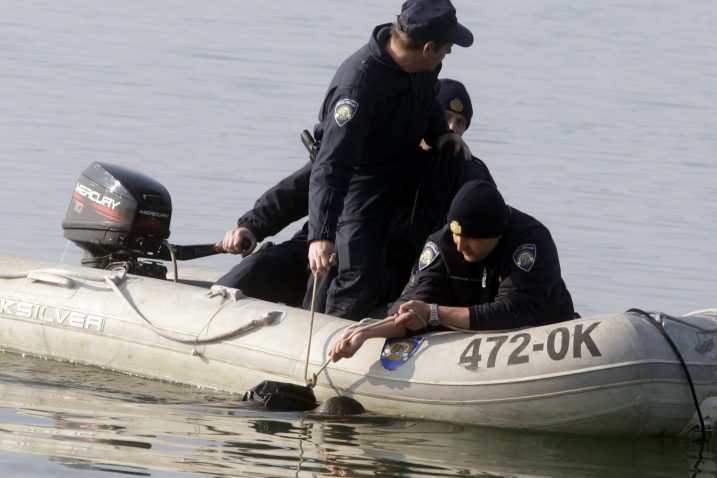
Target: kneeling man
{"x":491,"y":267}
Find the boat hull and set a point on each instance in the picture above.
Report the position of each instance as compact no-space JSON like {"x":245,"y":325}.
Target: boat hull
{"x":610,"y":374}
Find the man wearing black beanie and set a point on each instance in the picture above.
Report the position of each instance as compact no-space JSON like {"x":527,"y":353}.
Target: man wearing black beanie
{"x":427,"y":190}
{"x":492,"y":267}
{"x":456,"y":102}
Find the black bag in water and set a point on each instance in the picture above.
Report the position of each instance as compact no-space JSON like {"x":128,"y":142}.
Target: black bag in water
{"x":282,"y":396}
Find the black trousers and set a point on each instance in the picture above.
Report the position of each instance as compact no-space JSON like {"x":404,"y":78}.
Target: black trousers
{"x":275,"y":272}
{"x":363,"y":279}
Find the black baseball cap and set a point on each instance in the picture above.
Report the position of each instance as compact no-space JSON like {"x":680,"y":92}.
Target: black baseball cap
{"x":433,"y":20}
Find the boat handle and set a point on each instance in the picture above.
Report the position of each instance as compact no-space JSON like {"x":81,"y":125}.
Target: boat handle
{"x":49,"y":278}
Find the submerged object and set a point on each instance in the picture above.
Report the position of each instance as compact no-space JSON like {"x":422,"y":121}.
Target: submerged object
{"x":340,"y":406}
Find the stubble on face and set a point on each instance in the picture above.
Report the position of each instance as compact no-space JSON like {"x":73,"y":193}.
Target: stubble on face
{"x":475,"y":249}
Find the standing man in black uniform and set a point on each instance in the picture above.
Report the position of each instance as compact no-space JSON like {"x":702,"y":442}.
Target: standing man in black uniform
{"x":491,"y":267}
{"x":279,"y":272}
{"x":379,"y":106}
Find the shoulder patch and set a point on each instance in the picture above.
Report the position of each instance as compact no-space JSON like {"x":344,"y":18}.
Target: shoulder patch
{"x":428,"y":255}
{"x":344,"y":111}
{"x":524,"y":256}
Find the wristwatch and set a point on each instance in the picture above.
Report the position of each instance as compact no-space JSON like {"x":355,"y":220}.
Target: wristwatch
{"x":433,"y":319}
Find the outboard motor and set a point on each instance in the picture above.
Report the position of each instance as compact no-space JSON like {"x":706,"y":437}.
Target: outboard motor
{"x":117,"y":216}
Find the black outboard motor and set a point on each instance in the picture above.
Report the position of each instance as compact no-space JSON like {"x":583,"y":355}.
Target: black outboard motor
{"x":117,"y":215}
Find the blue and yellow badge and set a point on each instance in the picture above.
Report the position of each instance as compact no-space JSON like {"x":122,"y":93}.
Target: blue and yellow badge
{"x":345,"y":110}
{"x":397,"y":351}
{"x":524,"y":256}
{"x":428,"y":255}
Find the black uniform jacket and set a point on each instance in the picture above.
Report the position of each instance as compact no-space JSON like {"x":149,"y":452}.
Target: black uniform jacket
{"x":372,"y":118}
{"x":517,"y":285}
{"x":426,"y":194}
{"x":279,"y":206}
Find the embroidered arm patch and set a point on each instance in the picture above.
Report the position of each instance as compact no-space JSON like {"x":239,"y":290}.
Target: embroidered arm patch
{"x":344,"y":111}
{"x":428,"y":255}
{"x":524,"y":256}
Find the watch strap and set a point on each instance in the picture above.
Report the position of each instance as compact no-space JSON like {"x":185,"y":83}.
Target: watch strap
{"x":433,"y":319}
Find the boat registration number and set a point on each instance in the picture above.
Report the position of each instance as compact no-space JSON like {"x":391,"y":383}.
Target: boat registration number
{"x":560,"y":343}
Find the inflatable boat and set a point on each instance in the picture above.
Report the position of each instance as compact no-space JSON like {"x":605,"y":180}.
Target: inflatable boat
{"x":620,"y":374}
{"x":633,"y":373}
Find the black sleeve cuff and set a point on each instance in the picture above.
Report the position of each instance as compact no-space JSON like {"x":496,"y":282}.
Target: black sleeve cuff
{"x":473,"y":323}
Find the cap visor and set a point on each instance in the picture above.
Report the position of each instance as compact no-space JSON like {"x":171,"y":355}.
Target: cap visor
{"x":461,"y":36}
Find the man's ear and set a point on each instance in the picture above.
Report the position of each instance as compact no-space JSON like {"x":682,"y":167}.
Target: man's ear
{"x":428,"y":48}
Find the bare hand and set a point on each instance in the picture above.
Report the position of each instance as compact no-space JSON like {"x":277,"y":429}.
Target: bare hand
{"x":413,"y":315}
{"x":321,"y":257}
{"x":347,"y":345}
{"x":239,"y":241}
{"x":458,"y":145}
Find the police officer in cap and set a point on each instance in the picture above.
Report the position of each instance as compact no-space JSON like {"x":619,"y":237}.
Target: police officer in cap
{"x":491,"y":267}
{"x":378,"y":107}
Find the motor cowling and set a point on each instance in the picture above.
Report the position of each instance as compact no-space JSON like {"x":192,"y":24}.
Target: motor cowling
{"x":117,"y":212}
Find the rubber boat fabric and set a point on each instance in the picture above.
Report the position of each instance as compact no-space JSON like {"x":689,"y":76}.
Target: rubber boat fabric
{"x":608,"y":374}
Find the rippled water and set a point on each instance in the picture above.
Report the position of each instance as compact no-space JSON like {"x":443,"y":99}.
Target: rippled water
{"x":599,"y":118}
{"x":79,"y":418}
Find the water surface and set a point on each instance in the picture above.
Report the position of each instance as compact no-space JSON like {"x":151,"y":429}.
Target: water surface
{"x":597,"y":117}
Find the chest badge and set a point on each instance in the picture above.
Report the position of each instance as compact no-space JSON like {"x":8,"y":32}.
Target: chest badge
{"x":524,"y":256}
{"x":344,"y":111}
{"x":428,"y":255}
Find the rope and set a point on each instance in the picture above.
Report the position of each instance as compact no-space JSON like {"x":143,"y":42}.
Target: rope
{"x":311,"y":331}
{"x":119,"y":276}
{"x":365,"y":324}
{"x":660,"y":327}
{"x":265,"y":319}
{"x":333,"y":260}
{"x":169,"y":247}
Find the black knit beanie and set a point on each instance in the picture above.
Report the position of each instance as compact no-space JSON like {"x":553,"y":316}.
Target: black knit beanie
{"x":454,"y":97}
{"x":478,"y":210}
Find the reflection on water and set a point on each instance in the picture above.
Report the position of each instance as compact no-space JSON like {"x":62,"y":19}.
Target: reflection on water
{"x":74,"y":417}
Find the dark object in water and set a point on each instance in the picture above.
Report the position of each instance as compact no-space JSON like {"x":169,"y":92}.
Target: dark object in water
{"x":340,"y":406}
{"x":280,"y":396}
